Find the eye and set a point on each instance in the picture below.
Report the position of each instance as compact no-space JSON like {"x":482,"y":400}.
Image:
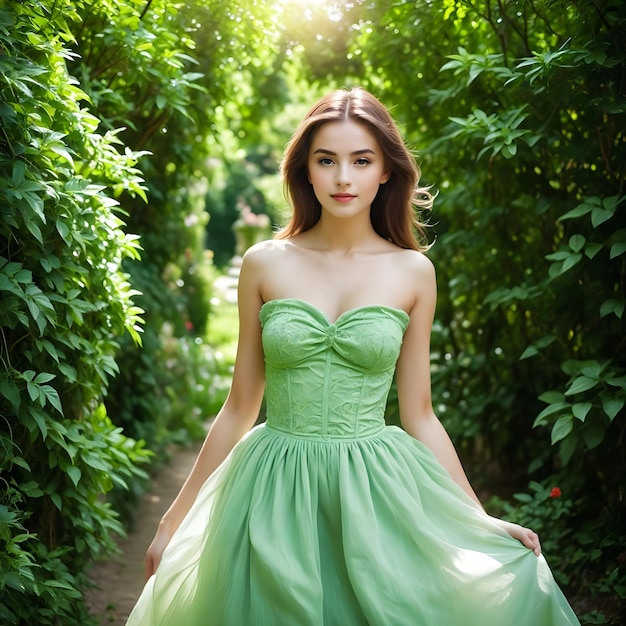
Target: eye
{"x":325,"y":161}
{"x":362,"y":161}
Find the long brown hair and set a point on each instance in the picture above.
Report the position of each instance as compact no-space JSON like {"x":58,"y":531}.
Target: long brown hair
{"x":393,"y":213}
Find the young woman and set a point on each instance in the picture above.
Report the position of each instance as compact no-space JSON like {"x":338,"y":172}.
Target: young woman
{"x":325,"y":516}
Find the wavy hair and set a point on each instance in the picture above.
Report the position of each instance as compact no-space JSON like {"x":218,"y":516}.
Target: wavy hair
{"x":395,"y":210}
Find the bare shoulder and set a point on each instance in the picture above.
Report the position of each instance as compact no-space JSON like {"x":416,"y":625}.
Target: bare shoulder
{"x":415,"y":266}
{"x":264,"y":254}
{"x":416,"y":275}
{"x":264,"y":250}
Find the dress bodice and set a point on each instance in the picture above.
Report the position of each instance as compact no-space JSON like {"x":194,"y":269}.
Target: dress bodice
{"x":329,"y":380}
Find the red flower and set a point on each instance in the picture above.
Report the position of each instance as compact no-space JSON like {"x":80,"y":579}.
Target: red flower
{"x":555,"y":492}
{"x":189,"y":327}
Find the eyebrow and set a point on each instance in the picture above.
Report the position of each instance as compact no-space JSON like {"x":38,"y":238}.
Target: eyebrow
{"x":355,"y":153}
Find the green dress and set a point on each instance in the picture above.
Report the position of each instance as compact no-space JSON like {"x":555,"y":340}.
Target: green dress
{"x":325,"y":516}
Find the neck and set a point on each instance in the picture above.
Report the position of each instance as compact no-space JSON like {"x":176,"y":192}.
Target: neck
{"x":344,"y":235}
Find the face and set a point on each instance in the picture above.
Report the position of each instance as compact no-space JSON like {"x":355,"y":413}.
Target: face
{"x":345,"y":167}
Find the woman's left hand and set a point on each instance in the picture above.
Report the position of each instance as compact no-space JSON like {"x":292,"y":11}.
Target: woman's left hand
{"x":526,"y":536}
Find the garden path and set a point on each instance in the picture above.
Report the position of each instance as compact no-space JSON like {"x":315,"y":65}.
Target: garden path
{"x":119,"y":581}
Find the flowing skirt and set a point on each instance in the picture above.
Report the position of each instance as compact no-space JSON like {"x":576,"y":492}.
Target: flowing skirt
{"x":299,"y":531}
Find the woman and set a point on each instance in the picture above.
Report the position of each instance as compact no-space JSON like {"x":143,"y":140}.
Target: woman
{"x":324,"y":515}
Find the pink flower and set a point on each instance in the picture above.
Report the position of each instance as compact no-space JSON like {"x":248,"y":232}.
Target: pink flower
{"x":189,"y":327}
{"x":555,"y":492}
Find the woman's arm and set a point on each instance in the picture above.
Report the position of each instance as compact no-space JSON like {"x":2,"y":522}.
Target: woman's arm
{"x":236,"y":417}
{"x":414,"y":391}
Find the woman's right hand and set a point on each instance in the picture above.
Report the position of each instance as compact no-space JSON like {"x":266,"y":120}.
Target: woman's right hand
{"x":155,"y":550}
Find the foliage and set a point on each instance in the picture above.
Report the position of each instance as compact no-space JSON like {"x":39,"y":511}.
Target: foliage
{"x":65,"y":301}
{"x":571,"y":545}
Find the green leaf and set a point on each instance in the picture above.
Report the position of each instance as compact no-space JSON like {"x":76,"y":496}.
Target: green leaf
{"x":613,"y":406}
{"x":558,"y":407}
{"x":93,"y":461}
{"x":580,"y":384}
{"x":529,"y":352}
{"x":592,"y":369}
{"x":46,"y":346}
{"x":581,"y":409}
{"x":592,"y":249}
{"x":53,"y":397}
{"x":560,"y":255}
{"x":40,"y":420}
{"x":28,"y":375}
{"x":567,"y":448}
{"x":572,"y":367}
{"x":33,"y":391}
{"x":19,"y":167}
{"x":533,"y":349}
{"x":60,"y":149}
{"x":56,"y":499}
{"x":555,"y":270}
{"x":562,"y":427}
{"x":18,"y":460}
{"x":571,"y":261}
{"x":612,"y":306}
{"x":552,"y":397}
{"x":43,"y":377}
{"x":23,"y":276}
{"x":523,"y":497}
{"x":576,"y":242}
{"x":619,"y":381}
{"x":599,"y":216}
{"x":34,"y":230}
{"x":74,"y":473}
{"x":31,"y":489}
{"x":579,"y":211}
{"x":63,"y":230}
{"x":617,"y":249}
{"x":68,"y":371}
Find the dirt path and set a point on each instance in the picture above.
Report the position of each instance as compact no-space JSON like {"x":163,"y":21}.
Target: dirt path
{"x":120,"y":580}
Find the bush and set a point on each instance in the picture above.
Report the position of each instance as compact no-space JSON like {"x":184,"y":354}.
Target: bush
{"x":65,"y":302}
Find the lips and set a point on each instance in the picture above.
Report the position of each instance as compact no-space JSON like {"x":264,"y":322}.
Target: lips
{"x":343,"y":197}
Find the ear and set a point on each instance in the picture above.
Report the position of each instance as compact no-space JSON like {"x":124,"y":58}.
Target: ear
{"x":385,"y":177}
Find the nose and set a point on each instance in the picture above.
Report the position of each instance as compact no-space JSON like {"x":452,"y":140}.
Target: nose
{"x":342,"y":176}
